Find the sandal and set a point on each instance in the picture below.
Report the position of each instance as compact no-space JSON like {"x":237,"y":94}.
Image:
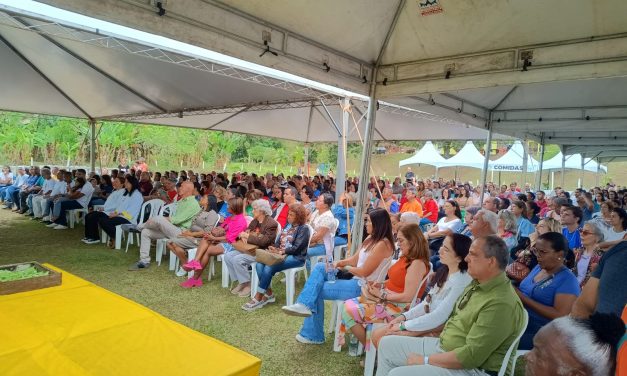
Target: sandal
{"x":254,"y":304}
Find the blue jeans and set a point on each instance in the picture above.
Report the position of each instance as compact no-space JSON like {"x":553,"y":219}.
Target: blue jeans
{"x":315,"y":292}
{"x":3,"y":189}
{"x":423,"y":223}
{"x":316,"y":250}
{"x":8,"y":194}
{"x":266,"y":272}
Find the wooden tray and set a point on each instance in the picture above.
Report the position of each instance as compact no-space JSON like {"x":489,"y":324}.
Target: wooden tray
{"x":11,"y":287}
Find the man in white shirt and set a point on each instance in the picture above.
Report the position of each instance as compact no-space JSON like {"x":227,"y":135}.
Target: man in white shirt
{"x":60,"y":189}
{"x":39,"y":199}
{"x":77,"y":199}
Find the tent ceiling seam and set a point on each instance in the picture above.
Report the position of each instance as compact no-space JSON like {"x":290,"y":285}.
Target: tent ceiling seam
{"x":227,"y":118}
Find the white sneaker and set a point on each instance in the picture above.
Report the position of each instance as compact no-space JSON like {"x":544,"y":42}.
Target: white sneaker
{"x":181,"y":272}
{"x":297,"y":309}
{"x":46,"y":218}
{"x":60,"y":227}
{"x":92,"y":241}
{"x":52,"y":225}
{"x":306,"y":341}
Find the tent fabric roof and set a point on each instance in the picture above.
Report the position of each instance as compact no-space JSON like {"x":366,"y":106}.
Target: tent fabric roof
{"x":428,"y":154}
{"x":513,"y":160}
{"x":468,"y":156}
{"x":573,"y":162}
{"x":51,"y":68}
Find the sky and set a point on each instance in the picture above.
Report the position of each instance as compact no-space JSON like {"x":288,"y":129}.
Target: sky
{"x":92,"y":24}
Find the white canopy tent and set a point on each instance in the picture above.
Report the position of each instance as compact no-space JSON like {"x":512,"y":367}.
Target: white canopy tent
{"x":468,"y":156}
{"x":573,"y":161}
{"x":550,"y":71}
{"x":428,"y":154}
{"x":513,"y":160}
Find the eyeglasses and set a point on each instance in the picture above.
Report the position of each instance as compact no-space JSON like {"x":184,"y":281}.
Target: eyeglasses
{"x":585,"y":232}
{"x":538,"y":252}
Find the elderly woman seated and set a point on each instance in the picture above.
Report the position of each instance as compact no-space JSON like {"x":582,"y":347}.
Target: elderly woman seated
{"x":588,"y":256}
{"x":292,"y":244}
{"x":550,"y":290}
{"x":261,"y":232}
{"x":508,"y":228}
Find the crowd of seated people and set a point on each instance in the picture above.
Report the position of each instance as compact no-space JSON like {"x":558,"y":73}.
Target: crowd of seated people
{"x":488,"y":256}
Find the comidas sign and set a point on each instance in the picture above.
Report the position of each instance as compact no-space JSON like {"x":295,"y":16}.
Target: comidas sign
{"x":499,"y":167}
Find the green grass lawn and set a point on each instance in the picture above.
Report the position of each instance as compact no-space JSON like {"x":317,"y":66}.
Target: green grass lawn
{"x":266,"y":333}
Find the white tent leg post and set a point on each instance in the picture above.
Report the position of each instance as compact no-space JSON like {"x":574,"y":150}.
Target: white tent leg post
{"x":552,"y":180}
{"x":583,"y":166}
{"x":523,"y":172}
{"x":563,"y":167}
{"x":539,"y":177}
{"x":358,"y":227}
{"x":306,"y":168}
{"x":486,"y":160}
{"x":596,"y":183}
{"x":340,"y":178}
{"x":92,"y":145}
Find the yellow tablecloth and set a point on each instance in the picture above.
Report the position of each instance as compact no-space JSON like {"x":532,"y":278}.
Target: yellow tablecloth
{"x":79,"y":328}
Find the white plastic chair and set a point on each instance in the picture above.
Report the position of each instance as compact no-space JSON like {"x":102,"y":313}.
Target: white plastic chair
{"x":73,"y":216}
{"x":371,"y":354}
{"x":161,"y":243}
{"x":512,"y":348}
{"x":191,"y":253}
{"x":155,"y":206}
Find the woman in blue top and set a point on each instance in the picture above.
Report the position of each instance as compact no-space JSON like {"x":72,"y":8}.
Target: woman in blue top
{"x":550,"y":290}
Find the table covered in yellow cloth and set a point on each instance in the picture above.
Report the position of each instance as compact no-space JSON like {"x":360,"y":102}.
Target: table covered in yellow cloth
{"x":79,"y":328}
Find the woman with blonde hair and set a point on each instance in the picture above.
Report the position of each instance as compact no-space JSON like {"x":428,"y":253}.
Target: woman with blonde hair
{"x":383,"y":301}
{"x":508,"y":228}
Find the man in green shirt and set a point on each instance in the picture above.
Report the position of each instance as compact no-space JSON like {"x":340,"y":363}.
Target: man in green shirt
{"x":486,"y":319}
{"x":167,"y":227}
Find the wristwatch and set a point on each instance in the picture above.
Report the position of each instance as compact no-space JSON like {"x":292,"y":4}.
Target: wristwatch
{"x":402,"y":327}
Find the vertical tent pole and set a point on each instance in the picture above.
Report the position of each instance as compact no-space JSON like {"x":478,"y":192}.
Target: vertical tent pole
{"x":539,"y":177}
{"x":523,"y":173}
{"x":306,"y":159}
{"x":583,"y":166}
{"x":92,"y":145}
{"x":362,"y":189}
{"x":563,"y":166}
{"x":596,"y":183}
{"x":340,"y":178}
{"x":486,"y":160}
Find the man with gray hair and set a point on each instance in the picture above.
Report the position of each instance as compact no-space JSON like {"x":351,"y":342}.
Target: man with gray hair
{"x":571,"y":346}
{"x":485,"y":321}
{"x":484,"y":223}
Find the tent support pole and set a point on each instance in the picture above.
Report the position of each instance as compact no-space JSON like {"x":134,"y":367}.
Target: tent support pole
{"x":539,"y":177}
{"x":486,"y":160}
{"x":362,"y":189}
{"x":92,"y":145}
{"x":596,"y":183}
{"x":340,"y":178}
{"x":523,"y":173}
{"x":307,"y":159}
{"x":563,"y":167}
{"x":583,"y":166}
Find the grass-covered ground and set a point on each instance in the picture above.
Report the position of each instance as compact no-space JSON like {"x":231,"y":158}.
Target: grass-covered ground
{"x":266,"y":333}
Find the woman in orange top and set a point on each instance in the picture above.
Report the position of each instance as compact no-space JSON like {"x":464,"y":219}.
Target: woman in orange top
{"x":382,"y":302}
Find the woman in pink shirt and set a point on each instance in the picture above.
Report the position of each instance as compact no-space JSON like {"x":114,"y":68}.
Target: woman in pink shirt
{"x":216,"y":245}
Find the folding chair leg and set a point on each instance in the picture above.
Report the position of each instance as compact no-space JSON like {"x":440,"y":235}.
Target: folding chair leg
{"x":225,"y":274}
{"x":254,"y":280}
{"x":118,"y":237}
{"x":338,"y":307}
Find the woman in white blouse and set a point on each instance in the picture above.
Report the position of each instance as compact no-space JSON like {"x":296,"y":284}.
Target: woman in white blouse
{"x":428,"y":317}
{"x":450,"y":223}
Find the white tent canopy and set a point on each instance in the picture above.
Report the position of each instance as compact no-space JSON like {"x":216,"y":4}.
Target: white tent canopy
{"x":573,"y":162}
{"x":428,"y":154}
{"x":468,"y":156}
{"x":513,"y":160}
{"x":50,"y":67}
{"x":549,"y":71}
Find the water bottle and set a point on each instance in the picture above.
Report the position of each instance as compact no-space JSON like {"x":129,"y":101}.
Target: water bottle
{"x":353,"y":345}
{"x":331,"y":271}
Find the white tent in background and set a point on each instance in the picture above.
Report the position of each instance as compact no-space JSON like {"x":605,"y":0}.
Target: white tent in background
{"x":468,"y":156}
{"x":513,"y":160}
{"x":572,"y":162}
{"x":428,"y":155}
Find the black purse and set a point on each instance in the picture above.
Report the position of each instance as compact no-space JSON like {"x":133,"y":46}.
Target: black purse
{"x":343,"y":274}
